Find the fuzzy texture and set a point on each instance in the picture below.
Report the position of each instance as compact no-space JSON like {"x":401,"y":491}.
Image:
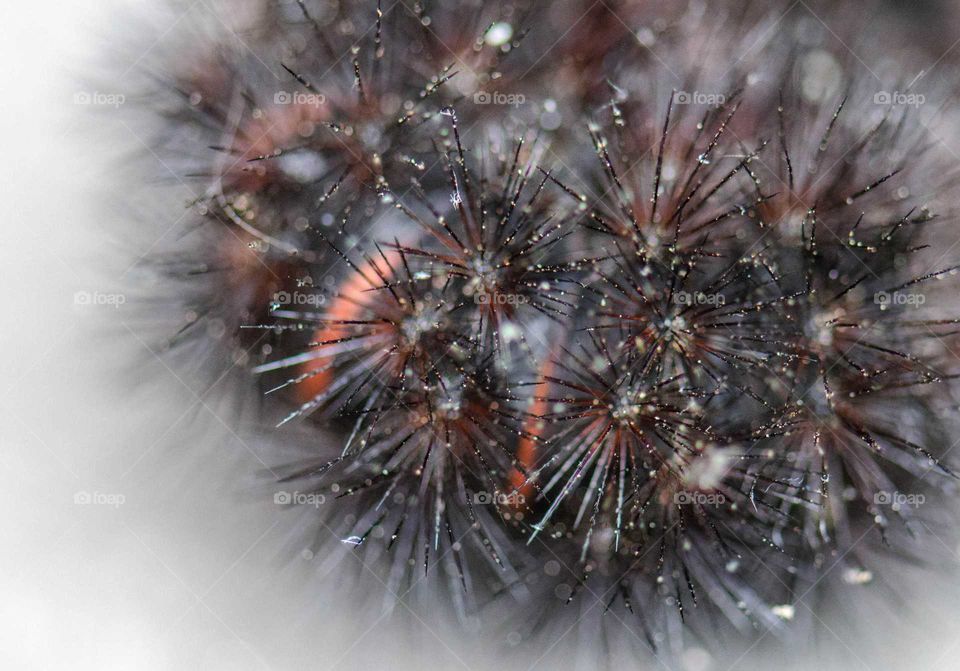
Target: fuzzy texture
{"x":693,"y":343}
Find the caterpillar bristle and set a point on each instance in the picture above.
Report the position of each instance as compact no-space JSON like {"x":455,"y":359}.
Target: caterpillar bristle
{"x":669,"y":313}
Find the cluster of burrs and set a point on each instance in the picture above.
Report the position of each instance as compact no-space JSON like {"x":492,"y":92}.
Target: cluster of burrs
{"x":689,"y":336}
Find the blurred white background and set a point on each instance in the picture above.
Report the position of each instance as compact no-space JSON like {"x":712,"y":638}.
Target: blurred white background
{"x":135,"y":535}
